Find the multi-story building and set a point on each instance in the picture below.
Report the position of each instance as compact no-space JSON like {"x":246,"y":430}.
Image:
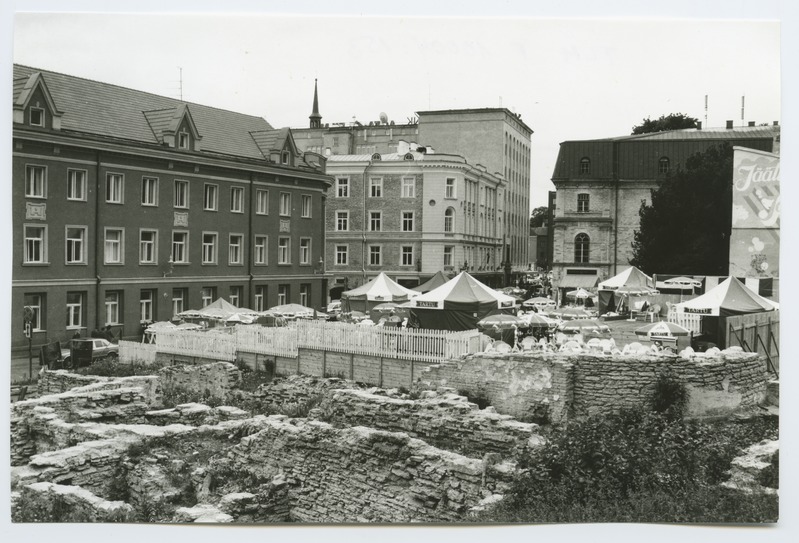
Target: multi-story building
{"x":411,"y":214}
{"x":600,"y":185}
{"x":131,"y":207}
{"x":495,"y":138}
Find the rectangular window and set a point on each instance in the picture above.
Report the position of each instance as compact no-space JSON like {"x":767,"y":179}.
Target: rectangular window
{"x":262,"y":202}
{"x":261,"y":250}
{"x":76,"y":245}
{"x":449,"y":188}
{"x":306,"y":205}
{"x":582,"y":203}
{"x":181,"y":194}
{"x":235,"y":296}
{"x":37,"y":116}
{"x":407,"y":221}
{"x":148,"y":250}
{"x":285,"y":204}
{"x":448,"y":252}
{"x":35,"y":182}
{"x":180,"y":247}
{"x":343,"y":187}
{"x":237,"y":200}
{"x":36,"y":303}
{"x":35,"y":245}
{"x":376,"y":187}
{"x":76,"y":185}
{"x":149,"y":191}
{"x":305,"y":251}
{"x":305,"y":294}
{"x":409,"y":187}
{"x":284,"y":251}
{"x":211,"y":197}
{"x":375,"y":221}
{"x":282,"y":294}
{"x":207,"y":295}
{"x":178,"y":300}
{"x":114,"y":185}
{"x":407,"y":255}
{"x":74,"y":310}
{"x":342,"y":221}
{"x":146,"y":302}
{"x":114,"y":245}
{"x":209,"y":247}
{"x":375,"y":255}
{"x":235,"y":249}
{"x":183,"y":140}
{"x":342,"y":255}
{"x":113,"y":301}
{"x":260,"y":298}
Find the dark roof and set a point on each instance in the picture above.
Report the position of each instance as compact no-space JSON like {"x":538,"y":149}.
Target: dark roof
{"x":103,"y":109}
{"x":738,"y":132}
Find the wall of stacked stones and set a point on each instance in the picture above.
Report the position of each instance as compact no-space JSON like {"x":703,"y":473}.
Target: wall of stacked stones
{"x":83,"y":505}
{"x":214,"y":380}
{"x":366,"y":475}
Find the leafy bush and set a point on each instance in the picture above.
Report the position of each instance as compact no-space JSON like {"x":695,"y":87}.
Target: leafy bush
{"x":670,"y":397}
{"x":107,"y":367}
{"x":770,"y":476}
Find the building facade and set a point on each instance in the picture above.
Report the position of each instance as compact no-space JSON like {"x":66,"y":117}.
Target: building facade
{"x":600,"y":185}
{"x":411,"y":215}
{"x":130,"y":207}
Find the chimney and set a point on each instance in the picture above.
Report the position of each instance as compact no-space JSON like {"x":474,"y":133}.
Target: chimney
{"x":776,"y":123}
{"x":699,"y":125}
{"x":751,"y":123}
{"x":729,"y":125}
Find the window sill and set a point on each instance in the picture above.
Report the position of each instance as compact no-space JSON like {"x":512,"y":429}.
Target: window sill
{"x":236,"y":211}
{"x":35,"y":263}
{"x":210,"y":264}
{"x":75,"y":264}
{"x":113,"y":263}
{"x":115,"y":203}
{"x":149,"y":205}
{"x":237,"y":264}
{"x":186,"y":263}
{"x":148,"y":263}
{"x":30,"y":197}
{"x":206,"y":209}
{"x":285,"y":264}
{"x":76,"y":200}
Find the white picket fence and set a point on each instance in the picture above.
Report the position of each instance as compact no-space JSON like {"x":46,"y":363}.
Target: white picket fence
{"x":132,"y":352}
{"x":689,"y":321}
{"x":214,"y":345}
{"x":275,"y":341}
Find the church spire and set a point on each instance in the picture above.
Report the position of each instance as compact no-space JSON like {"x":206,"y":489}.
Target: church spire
{"x":316,"y":118}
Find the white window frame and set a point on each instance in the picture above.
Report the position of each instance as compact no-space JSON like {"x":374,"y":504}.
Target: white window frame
{"x":237,"y":199}
{"x":36,"y":306}
{"x":210,"y":251}
{"x":75,"y":309}
{"x":375,"y":187}
{"x":32,"y":242}
{"x":114,"y":188}
{"x":41,"y":111}
{"x":449,"y":255}
{"x":181,"y":194}
{"x":72,"y":244}
{"x":178,"y":300}
{"x":207,"y":295}
{"x":210,"y":197}
{"x":285,"y":204}
{"x":449,"y":220}
{"x":342,"y":216}
{"x":153,"y":246}
{"x":259,"y":298}
{"x":35,"y":186}
{"x":146,"y":305}
{"x":408,"y":187}
{"x":236,"y":293}
{"x":404,"y":253}
{"x":586,"y":200}
{"x":342,"y":187}
{"x":305,"y":251}
{"x":305,"y":205}
{"x":149,"y":191}
{"x":378,"y":252}
{"x":112,"y":303}
{"x":261,"y":250}
{"x":261,"y":202}
{"x":283,"y":294}
{"x":184,"y":140}
{"x":184,"y":244}
{"x":375,"y":215}
{"x":120,"y":245}
{"x":236,"y":249}
{"x":305,"y":294}
{"x":284,"y":250}
{"x":342,"y":255}
{"x":405,"y":219}
{"x":450,"y":188}
{"x":76,"y":184}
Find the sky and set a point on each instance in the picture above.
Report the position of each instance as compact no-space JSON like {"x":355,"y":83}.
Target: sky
{"x":573,"y":69}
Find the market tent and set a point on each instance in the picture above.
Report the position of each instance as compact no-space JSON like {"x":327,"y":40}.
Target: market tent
{"x":458,"y":304}
{"x":730,"y":297}
{"x":377,"y":291}
{"x":617,"y":290}
{"x":631,"y":277}
{"x":434,"y":282}
{"x":221,"y":309}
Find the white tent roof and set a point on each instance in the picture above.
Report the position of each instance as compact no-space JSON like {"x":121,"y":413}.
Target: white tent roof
{"x":632,"y":276}
{"x":730,"y":294}
{"x":462,"y":288}
{"x":381,"y":288}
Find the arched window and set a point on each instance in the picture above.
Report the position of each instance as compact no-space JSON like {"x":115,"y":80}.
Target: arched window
{"x":585,"y":165}
{"x":449,"y":219}
{"x":582,"y":246}
{"x":664,"y":165}
{"x":408,"y":156}
{"x":376,"y":156}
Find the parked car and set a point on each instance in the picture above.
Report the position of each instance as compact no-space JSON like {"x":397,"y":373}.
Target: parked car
{"x":100,"y":349}
{"x":334,"y":307}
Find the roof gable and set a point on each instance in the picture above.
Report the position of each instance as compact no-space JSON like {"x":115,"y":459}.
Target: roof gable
{"x":165,"y":124}
{"x":24,"y":90}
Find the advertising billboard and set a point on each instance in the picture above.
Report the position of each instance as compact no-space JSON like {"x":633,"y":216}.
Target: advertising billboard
{"x":755,"y":237}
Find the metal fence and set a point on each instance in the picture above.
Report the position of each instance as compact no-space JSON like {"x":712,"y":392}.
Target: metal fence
{"x":132,"y":352}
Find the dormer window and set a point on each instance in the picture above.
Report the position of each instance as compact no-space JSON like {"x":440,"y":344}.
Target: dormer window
{"x":585,"y":165}
{"x":183,"y":140}
{"x":284,"y":158}
{"x":37,"y":116}
{"x":664,"y":165}
{"x":376,"y":156}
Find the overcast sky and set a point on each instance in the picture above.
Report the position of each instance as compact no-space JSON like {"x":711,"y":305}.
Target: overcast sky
{"x":569,"y":79}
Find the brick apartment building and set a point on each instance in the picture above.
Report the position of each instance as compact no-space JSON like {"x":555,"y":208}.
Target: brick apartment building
{"x":600,"y":185}
{"x":131,"y":207}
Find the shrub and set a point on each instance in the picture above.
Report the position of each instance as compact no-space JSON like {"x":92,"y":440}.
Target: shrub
{"x":670,"y":397}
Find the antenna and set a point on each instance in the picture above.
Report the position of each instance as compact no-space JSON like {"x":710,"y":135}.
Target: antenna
{"x":706,"y":125}
{"x":743,"y":101}
{"x":181,"y":83}
{"x":500,"y":101}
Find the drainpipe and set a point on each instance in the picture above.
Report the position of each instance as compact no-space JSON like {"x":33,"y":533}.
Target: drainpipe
{"x":98,"y":247}
{"x":616,"y":212}
{"x":363,"y":223}
{"x":250,"y":240}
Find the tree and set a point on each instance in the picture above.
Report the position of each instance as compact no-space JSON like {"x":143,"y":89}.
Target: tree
{"x":538,"y":217}
{"x":672,"y":121}
{"x":686,"y":228}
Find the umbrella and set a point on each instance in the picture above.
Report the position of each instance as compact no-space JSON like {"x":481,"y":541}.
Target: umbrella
{"x":581,"y":326}
{"x":188,"y":326}
{"x":636,"y":290}
{"x":386,"y":307}
{"x":570,"y":313}
{"x":292,"y":310}
{"x":662,"y":328}
{"x":579,"y":294}
{"x":158,"y":326}
{"x":502,"y":322}
{"x":534,"y":320}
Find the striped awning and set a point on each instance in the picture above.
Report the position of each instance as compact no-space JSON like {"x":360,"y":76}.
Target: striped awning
{"x":578,"y":281}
